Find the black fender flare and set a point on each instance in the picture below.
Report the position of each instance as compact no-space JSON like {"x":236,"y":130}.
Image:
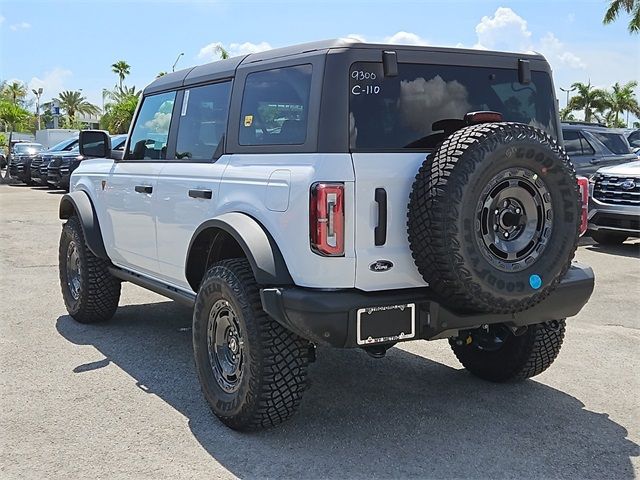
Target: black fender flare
{"x":265,"y":258}
{"x":79,"y":203}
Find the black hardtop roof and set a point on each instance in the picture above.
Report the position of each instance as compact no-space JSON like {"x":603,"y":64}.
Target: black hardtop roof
{"x":226,"y":68}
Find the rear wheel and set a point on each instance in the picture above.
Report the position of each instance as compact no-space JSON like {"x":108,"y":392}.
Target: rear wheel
{"x":496,"y":354}
{"x":252,"y":370}
{"x":609,"y":238}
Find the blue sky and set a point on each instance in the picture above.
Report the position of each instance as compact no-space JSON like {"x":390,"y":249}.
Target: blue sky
{"x":70,"y":44}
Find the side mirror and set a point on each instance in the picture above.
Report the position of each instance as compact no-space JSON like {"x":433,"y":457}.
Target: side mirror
{"x":95,"y":143}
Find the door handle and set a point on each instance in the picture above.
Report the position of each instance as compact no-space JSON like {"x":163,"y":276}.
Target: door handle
{"x":380,"y":232}
{"x":144,"y":188}
{"x":200,"y":194}
{"x":595,"y":161}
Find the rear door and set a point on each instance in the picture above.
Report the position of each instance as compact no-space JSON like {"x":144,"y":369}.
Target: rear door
{"x":129,"y":191}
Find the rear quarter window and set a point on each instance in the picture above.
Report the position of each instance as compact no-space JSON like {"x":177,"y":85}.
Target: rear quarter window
{"x":275,"y":106}
{"x":615,"y":142}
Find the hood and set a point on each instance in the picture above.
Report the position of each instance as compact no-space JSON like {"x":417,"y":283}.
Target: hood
{"x":625,"y":169}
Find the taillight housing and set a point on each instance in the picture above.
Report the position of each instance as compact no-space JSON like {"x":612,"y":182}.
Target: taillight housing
{"x":326,"y":219}
{"x":583,"y":183}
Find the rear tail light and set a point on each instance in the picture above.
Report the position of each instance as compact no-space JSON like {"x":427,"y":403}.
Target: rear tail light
{"x":326,"y":219}
{"x":472,"y":118}
{"x":583,"y":183}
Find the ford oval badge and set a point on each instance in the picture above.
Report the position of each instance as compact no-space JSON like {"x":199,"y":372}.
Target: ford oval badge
{"x":381,"y":266}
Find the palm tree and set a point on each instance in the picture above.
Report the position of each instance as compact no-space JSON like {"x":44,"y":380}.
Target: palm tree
{"x":632,"y":7}
{"x":14,"y":117}
{"x":122,"y":69}
{"x":587,"y":98}
{"x":73,"y":102}
{"x":14,"y":91}
{"x":223,"y":52}
{"x":622,"y":98}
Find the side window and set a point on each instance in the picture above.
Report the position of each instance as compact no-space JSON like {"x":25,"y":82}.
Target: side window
{"x":203,"y":121}
{"x":572,"y":142}
{"x":150,"y":133}
{"x":275,"y":107}
{"x":587,"y":149}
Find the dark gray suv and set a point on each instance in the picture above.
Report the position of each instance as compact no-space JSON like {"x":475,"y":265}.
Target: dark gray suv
{"x":592,"y":146}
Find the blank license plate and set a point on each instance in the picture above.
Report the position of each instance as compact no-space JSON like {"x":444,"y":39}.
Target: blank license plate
{"x":386,"y":324}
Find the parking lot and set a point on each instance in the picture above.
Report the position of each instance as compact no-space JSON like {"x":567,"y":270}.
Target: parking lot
{"x":121,"y":400}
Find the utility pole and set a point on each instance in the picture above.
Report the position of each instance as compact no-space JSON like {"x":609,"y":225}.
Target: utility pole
{"x":38,"y":94}
{"x":173,"y":68}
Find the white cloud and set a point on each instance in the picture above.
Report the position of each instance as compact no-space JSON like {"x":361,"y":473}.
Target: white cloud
{"x":52,"y":82}
{"x":211,"y":52}
{"x":505,"y":30}
{"x":398,"y":38}
{"x":406,"y":38}
{"x":554,"y":50}
{"x":236,"y":49}
{"x":356,"y":36}
{"x":19,"y":26}
{"x":2,"y":19}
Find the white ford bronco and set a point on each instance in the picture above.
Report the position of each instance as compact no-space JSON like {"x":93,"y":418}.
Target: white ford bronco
{"x":342,"y":194}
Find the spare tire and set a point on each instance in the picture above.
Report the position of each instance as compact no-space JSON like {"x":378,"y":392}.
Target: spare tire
{"x":494,"y":217}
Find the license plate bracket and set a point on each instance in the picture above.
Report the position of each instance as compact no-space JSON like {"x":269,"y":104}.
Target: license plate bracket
{"x":389,"y":323}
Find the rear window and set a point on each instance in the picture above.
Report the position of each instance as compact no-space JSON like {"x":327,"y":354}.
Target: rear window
{"x":613,"y":141}
{"x":399,"y":112}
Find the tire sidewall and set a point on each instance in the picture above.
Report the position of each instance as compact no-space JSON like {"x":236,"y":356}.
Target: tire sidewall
{"x":221,"y":283}
{"x":483,"y":277}
{"x":72,"y":232}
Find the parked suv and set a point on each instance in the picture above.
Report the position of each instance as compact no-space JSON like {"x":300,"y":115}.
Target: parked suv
{"x":62,"y":164}
{"x":39,"y":165}
{"x":20,"y":163}
{"x":593,"y":146}
{"x":614,"y":209}
{"x":336,"y":193}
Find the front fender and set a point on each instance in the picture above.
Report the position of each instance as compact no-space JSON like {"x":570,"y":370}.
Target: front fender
{"x":265,"y":258}
{"x":78,"y":203}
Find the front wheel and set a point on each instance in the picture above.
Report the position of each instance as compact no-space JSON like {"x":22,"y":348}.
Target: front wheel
{"x":252,"y":370}
{"x":90,"y":292}
{"x":496,"y":354}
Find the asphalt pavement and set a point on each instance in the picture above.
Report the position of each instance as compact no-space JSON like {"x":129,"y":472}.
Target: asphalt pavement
{"x":121,"y":400}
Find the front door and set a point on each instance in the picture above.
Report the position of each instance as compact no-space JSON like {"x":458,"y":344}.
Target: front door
{"x":130,"y":190}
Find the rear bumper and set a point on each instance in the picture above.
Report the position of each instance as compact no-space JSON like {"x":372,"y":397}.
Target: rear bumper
{"x":330,"y":317}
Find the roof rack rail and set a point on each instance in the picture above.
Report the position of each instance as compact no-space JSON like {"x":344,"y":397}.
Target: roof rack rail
{"x":576,"y":122}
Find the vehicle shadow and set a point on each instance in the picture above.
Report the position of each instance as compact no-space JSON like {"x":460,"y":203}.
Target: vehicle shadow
{"x":56,"y":192}
{"x":627,"y":249}
{"x":403,"y":416}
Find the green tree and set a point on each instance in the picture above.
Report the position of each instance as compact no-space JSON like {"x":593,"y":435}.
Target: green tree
{"x":587,"y":98}
{"x":14,"y":117}
{"x":73,"y":102}
{"x":122,"y":69}
{"x":621,"y":99}
{"x":120,"y":109}
{"x":223,"y":52}
{"x":616,"y":7}
{"x":161,"y":74}
{"x":14,"y":92}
